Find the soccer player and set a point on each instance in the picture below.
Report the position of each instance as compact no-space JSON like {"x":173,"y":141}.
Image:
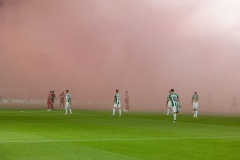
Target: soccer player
{"x":68,"y":103}
{"x":117,"y":103}
{"x":61,"y":97}
{"x":49,"y":102}
{"x":169,"y":105}
{"x":234,"y":103}
{"x":53,"y":97}
{"x":174,"y":98}
{"x":126,"y":100}
{"x":195,"y":99}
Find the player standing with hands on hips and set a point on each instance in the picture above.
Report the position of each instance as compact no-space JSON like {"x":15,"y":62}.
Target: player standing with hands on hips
{"x":195,"y":99}
{"x":174,"y":98}
{"x":117,"y":103}
{"x":68,"y":103}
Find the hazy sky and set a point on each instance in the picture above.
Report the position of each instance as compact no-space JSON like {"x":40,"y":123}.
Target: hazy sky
{"x":147,"y":47}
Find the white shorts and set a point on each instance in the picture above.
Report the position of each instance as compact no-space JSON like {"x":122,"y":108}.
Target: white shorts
{"x":195,"y":105}
{"x":117,"y":105}
{"x":67,"y":105}
{"x":175,"y":109}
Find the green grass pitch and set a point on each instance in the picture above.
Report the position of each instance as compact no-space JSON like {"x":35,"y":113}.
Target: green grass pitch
{"x":95,"y":135}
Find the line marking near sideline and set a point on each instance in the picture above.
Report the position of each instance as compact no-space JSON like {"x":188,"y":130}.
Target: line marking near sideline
{"x":139,"y":139}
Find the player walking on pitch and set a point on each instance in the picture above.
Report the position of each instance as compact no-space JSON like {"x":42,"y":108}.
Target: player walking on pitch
{"x":61,"y":97}
{"x":117,"y":103}
{"x":68,"y":103}
{"x":53,"y":97}
{"x":195,"y":99}
{"x":49,"y":102}
{"x":174,"y":98}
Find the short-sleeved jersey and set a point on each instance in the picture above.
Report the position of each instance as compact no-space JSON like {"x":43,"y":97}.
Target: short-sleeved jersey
{"x":117,"y":97}
{"x":62,"y":95}
{"x":195,"y":97}
{"x":68,"y":98}
{"x":173,"y":97}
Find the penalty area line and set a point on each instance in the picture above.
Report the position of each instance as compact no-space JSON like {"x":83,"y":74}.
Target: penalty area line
{"x":137,"y":139}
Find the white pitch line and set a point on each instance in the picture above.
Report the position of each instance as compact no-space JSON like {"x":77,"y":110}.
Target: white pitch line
{"x":140,"y":139}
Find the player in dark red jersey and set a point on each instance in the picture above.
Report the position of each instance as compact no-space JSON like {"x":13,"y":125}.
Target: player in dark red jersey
{"x":49,"y":102}
{"x":61,"y":97}
{"x":53,"y":97}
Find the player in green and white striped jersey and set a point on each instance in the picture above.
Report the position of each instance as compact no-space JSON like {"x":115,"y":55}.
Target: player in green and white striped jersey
{"x":68,"y":103}
{"x":117,"y":103}
{"x":195,"y":99}
{"x":174,"y":98}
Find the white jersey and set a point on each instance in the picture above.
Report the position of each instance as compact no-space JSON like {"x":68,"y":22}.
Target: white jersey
{"x":68,"y":98}
{"x":117,"y":97}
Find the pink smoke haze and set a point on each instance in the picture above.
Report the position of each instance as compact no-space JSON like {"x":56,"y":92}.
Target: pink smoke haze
{"x":145,"y":47}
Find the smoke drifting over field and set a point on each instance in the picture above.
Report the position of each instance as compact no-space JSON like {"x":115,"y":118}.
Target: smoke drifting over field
{"x":93,"y":47}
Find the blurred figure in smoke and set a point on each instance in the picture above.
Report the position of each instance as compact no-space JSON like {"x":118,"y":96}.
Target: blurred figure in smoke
{"x":234,"y":103}
{"x":53,"y":97}
{"x":49,"y":101}
{"x":126,"y":100}
{"x":117,"y":103}
{"x":174,"y":98}
{"x":195,"y":99}
{"x":169,"y":105}
{"x":61,"y":97}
